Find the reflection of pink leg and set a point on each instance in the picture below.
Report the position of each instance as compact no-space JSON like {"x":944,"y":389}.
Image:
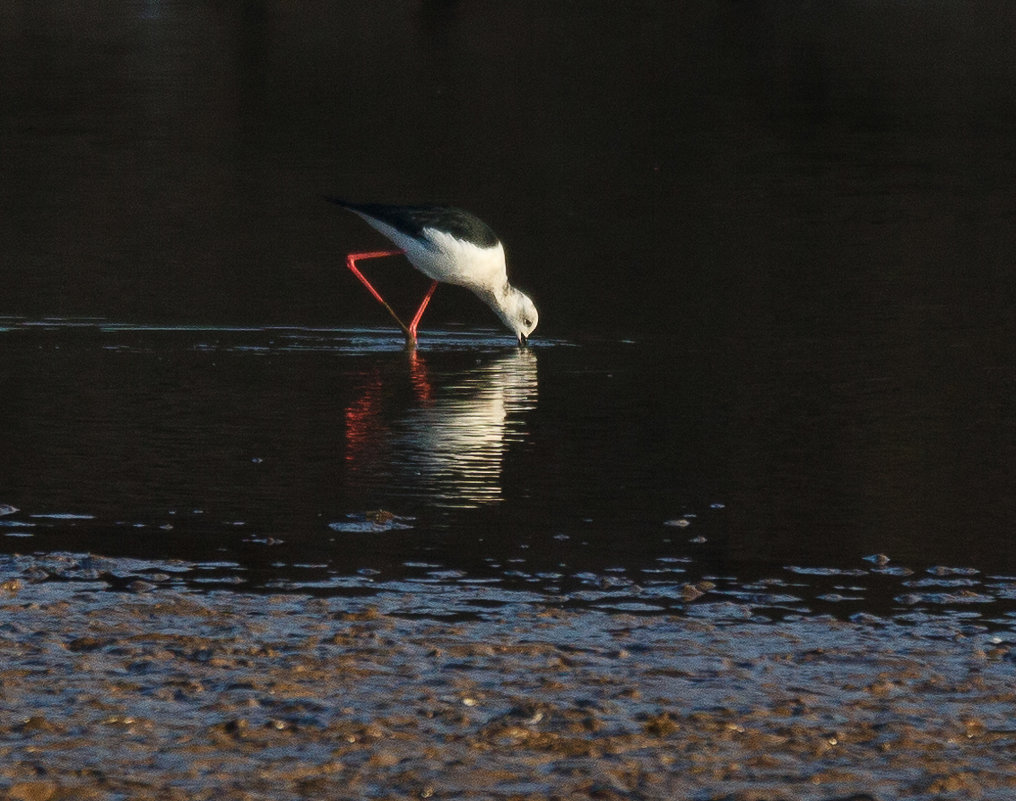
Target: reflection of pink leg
{"x":418,"y":375}
{"x":419,"y":312}
{"x":351,"y":260}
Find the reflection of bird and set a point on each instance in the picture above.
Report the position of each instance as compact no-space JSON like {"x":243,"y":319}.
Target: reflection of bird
{"x":450,"y":245}
{"x":450,"y":443}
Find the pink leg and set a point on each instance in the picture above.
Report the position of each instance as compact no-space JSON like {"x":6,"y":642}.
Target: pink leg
{"x":351,"y":260}
{"x":419,"y":312}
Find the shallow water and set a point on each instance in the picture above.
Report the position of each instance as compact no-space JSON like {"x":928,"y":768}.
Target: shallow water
{"x":470,"y":474}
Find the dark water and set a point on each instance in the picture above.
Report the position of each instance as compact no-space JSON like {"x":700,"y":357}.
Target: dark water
{"x":772,"y":246}
{"x":333,"y":461}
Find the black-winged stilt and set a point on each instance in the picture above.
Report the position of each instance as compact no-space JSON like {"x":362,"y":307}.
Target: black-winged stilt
{"x":450,"y":245}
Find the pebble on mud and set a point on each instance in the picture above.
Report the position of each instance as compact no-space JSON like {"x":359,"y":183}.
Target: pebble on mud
{"x":32,"y":791}
{"x":661,"y":725}
{"x":691,"y":592}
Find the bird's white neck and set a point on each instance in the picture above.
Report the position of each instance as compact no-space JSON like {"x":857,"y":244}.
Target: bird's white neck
{"x":497,"y":297}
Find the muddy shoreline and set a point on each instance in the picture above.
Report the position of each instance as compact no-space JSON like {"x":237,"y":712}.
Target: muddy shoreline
{"x":168,"y":694}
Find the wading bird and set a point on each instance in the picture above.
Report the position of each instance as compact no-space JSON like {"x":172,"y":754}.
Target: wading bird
{"x":450,"y":245}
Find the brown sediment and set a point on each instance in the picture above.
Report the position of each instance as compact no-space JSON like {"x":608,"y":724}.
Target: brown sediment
{"x":168,"y":695}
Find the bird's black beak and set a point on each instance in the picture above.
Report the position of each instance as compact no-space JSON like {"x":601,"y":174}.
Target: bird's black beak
{"x":523,"y":340}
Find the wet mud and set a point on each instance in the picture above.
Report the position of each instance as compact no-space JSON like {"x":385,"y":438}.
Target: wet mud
{"x":167,"y":694}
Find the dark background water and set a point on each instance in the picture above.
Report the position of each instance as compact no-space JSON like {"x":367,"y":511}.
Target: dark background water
{"x":772,"y":245}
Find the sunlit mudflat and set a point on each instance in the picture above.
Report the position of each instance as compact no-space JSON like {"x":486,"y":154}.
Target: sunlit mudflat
{"x":143,"y":692}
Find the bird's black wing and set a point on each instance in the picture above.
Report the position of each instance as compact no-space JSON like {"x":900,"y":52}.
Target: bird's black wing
{"x":411,"y":220}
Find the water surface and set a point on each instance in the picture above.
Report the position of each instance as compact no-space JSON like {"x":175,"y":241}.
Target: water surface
{"x":334,"y":461}
{"x":771,"y":244}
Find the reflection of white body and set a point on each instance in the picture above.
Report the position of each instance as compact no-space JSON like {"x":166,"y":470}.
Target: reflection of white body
{"x":456,"y":446}
{"x":449,"y":446}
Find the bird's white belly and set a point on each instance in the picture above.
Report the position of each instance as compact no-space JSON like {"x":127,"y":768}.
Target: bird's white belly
{"x":445,"y":258}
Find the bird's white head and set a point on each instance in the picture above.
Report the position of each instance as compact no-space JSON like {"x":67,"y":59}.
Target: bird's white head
{"x":518,"y":312}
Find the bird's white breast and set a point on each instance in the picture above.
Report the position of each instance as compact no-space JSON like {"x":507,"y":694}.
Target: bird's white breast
{"x":455,"y":261}
{"x":444,"y":257}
